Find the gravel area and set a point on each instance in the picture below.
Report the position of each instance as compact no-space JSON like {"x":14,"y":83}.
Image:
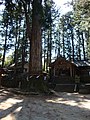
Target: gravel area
{"x":65,"y":106}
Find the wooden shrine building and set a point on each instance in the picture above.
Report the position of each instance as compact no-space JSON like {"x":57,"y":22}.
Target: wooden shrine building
{"x":83,"y":69}
{"x":62,"y":67}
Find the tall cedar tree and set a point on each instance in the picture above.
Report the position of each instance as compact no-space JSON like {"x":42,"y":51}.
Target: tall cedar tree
{"x":36,"y":43}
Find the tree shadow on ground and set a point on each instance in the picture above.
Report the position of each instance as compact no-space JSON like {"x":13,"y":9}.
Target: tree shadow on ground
{"x":54,"y":108}
{"x":68,"y":106}
{"x":5,"y":94}
{"x":4,"y":113}
{"x":9,"y":102}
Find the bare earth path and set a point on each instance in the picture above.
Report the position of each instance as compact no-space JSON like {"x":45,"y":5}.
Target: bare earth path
{"x":67,"y":106}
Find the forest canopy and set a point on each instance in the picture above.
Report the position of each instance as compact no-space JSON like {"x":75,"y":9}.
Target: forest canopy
{"x":37,"y":33}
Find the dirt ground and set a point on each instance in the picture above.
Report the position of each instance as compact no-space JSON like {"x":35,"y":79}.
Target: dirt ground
{"x":65,"y":106}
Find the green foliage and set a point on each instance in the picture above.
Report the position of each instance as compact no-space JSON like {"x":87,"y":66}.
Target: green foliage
{"x":9,"y":60}
{"x":82,"y":13}
{"x":82,"y":18}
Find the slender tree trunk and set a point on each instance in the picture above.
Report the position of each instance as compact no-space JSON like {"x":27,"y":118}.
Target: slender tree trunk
{"x":48,"y":49}
{"x":23,"y":50}
{"x":26,"y":10}
{"x":50,"y":45}
{"x":44,"y":53}
{"x":72,"y":38}
{"x":47,"y":60}
{"x":83,"y":46}
{"x":63,"y":43}
{"x":79,"y":49}
{"x":3,"y":60}
{"x":16,"y":48}
{"x":59,"y":43}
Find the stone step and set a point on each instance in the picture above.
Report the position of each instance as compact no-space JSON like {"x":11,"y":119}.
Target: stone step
{"x":64,"y":87}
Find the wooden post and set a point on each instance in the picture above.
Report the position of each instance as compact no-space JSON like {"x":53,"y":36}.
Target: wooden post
{"x":70,"y":71}
{"x":54,"y":71}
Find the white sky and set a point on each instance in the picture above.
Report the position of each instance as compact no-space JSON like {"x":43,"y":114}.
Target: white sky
{"x":59,"y":3}
{"x":64,"y":8}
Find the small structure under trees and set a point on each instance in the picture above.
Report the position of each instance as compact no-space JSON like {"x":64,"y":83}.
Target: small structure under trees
{"x":66,"y":70}
{"x":62,"y":67}
{"x":83,"y":69}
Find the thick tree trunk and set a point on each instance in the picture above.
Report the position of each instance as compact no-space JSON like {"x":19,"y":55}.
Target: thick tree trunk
{"x":36,"y":43}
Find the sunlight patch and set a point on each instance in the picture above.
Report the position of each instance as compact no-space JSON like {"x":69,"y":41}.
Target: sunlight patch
{"x":13,"y":115}
{"x":60,"y":100}
{"x":9,"y":103}
{"x":82,"y":103}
